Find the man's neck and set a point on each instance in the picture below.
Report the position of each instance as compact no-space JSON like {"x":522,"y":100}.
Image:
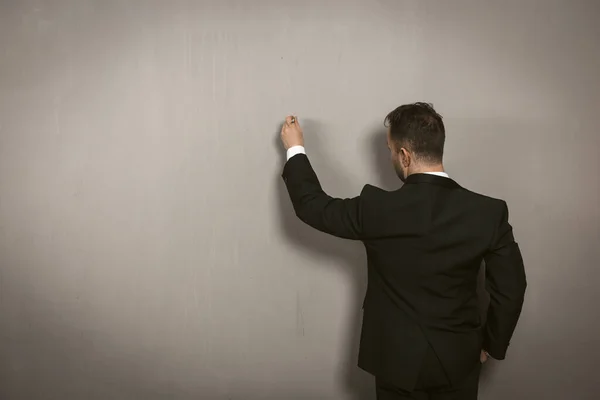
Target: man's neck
{"x":428,"y":169}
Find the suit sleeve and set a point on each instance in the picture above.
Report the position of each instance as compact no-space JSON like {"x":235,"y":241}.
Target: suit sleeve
{"x":335,"y":216}
{"x":506,"y":284}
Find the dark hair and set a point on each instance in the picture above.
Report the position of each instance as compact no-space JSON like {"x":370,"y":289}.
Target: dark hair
{"x":419,"y":128}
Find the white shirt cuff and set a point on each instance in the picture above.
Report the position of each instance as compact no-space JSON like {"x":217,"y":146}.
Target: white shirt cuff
{"x":294,"y":150}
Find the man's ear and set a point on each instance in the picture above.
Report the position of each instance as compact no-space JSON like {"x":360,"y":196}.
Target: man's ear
{"x":405,"y":157}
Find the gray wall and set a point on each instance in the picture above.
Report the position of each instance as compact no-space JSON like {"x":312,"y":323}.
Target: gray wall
{"x":147,"y":246}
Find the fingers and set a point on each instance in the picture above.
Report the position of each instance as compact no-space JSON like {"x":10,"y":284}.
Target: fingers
{"x":291,"y":120}
{"x":483,"y":357}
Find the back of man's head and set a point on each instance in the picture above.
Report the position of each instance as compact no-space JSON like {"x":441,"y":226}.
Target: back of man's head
{"x":418,"y":128}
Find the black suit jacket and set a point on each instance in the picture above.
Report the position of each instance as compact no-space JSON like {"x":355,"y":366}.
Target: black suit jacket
{"x":425,"y":243}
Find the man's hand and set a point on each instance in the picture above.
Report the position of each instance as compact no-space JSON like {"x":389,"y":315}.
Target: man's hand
{"x":483,"y":357}
{"x":291,"y":133}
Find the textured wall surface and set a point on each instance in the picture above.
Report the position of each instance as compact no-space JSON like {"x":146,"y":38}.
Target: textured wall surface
{"x":148,"y":249}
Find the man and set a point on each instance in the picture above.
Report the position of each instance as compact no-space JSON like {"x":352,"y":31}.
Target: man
{"x":421,"y":336}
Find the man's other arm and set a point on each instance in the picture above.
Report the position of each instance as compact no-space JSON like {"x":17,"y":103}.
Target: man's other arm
{"x":506,"y":284}
{"x":338,"y":217}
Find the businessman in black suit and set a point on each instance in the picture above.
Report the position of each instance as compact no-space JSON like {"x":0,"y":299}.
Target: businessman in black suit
{"x":421,"y":337}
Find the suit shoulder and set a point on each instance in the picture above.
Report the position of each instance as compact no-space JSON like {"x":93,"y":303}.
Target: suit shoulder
{"x":483,"y":197}
{"x":486,"y":200}
{"x":369,"y":190}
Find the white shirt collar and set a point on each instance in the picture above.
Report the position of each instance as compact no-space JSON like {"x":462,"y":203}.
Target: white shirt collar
{"x":445,"y":175}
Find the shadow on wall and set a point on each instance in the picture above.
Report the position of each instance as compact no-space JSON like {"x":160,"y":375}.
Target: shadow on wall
{"x":379,"y":155}
{"x":351,"y":255}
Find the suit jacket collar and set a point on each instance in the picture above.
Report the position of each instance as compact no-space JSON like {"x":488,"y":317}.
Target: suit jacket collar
{"x":431,"y":179}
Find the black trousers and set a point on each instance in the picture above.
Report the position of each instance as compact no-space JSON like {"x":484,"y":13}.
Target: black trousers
{"x":433,"y":384}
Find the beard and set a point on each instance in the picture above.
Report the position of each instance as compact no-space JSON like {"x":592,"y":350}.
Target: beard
{"x":400,"y":172}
